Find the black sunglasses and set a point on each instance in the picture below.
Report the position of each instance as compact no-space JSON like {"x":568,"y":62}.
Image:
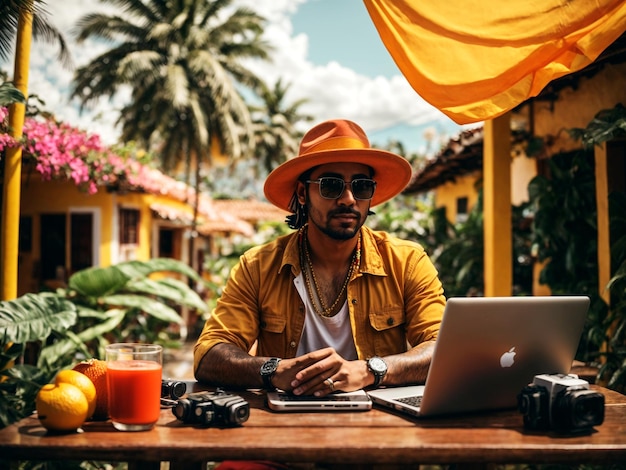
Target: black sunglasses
{"x":332,"y":188}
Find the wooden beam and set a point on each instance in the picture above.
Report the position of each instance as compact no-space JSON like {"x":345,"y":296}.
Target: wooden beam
{"x":498,"y":252}
{"x":602,"y":204}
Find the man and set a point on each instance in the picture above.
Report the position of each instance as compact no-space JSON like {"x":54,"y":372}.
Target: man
{"x":334,"y":305}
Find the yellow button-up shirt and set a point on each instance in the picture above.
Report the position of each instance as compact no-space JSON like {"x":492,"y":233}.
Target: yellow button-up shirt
{"x":395,"y":299}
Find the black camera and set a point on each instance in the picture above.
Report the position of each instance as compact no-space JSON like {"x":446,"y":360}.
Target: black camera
{"x":212,"y":409}
{"x":172,"y":389}
{"x":561,"y":402}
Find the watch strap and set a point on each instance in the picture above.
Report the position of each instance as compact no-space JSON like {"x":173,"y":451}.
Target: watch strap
{"x":378,"y":375}
{"x":377,"y":379}
{"x":268,"y":369}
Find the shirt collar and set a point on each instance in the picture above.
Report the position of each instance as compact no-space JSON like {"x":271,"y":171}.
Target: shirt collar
{"x":371,"y":260}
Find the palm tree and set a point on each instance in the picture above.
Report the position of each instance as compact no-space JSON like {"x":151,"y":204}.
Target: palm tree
{"x":275,"y":133}
{"x":182,"y":60}
{"x":9,"y":16}
{"x":182,"y":63}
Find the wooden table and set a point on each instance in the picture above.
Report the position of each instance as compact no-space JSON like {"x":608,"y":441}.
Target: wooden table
{"x":373,"y":438}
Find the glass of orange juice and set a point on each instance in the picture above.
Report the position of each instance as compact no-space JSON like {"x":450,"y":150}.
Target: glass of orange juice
{"x":134,"y":373}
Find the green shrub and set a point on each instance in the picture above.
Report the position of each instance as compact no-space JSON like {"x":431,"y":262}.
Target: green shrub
{"x":43,"y":333}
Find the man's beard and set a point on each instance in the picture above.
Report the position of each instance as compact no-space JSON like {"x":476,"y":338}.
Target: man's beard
{"x":345,"y":233}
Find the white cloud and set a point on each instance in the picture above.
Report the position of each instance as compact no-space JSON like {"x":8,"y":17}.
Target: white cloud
{"x":332,"y":89}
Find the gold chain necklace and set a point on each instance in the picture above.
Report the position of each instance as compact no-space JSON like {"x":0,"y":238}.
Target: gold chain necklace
{"x":308,"y":267}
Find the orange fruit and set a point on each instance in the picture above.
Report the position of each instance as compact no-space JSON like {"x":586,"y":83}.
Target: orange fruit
{"x":83,"y":383}
{"x":61,"y":407}
{"x":96,"y":370}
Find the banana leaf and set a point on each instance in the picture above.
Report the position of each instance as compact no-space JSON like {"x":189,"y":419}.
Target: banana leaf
{"x":60,"y":353}
{"x":152,"y":307}
{"x":50,"y":354}
{"x":86,"y":312}
{"x":97,"y":282}
{"x":139,"y":269}
{"x":34,"y":316}
{"x":171,"y":289}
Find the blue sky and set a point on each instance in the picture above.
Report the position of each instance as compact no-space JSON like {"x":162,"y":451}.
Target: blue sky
{"x":327,"y":50}
{"x":347,"y":36}
{"x":342,"y":31}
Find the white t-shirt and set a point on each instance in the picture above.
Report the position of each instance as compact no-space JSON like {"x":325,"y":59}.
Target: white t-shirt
{"x":322,"y":332}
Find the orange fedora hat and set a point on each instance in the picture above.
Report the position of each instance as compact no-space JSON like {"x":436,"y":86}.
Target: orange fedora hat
{"x":336,"y":141}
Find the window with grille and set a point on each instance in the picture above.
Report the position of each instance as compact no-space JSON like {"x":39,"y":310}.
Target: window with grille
{"x":129,"y":226}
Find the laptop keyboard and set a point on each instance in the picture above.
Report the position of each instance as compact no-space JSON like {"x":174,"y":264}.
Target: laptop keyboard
{"x":413,"y":401}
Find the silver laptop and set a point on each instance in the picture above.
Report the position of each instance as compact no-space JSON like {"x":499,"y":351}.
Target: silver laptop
{"x":488,"y":349}
{"x":338,"y":401}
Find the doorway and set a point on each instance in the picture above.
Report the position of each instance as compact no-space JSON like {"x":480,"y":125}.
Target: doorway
{"x":56,"y":237}
{"x":52,"y":245}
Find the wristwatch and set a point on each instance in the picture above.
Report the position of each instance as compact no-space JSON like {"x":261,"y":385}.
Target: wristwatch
{"x":378,"y":367}
{"x":268,"y":369}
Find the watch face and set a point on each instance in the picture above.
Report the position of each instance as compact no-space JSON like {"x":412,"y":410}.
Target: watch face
{"x":377,"y":365}
{"x":269,"y":367}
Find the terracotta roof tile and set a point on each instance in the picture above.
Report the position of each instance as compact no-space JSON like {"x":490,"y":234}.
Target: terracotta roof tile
{"x":250,"y":210}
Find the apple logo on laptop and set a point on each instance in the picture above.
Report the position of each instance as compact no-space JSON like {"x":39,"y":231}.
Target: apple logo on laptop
{"x":508,"y":358}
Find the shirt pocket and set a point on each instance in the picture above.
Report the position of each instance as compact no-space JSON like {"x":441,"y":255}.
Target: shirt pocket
{"x":272,"y":322}
{"x":388,"y":335}
{"x":387,"y":318}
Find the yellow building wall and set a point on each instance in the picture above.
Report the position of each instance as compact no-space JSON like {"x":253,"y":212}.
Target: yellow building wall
{"x":523,"y":170}
{"x":447,"y":194}
{"x":577,"y":107}
{"x":58,"y":197}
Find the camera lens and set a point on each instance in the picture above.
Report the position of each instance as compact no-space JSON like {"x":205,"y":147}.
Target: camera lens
{"x":240,"y":413}
{"x":589,"y":409}
{"x":178,"y":389}
{"x":533,"y":403}
{"x":577,"y":409}
{"x":173,"y":389}
{"x":181,"y":410}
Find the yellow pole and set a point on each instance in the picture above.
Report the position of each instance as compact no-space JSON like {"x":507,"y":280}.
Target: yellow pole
{"x":602,"y":203}
{"x":13,"y":162}
{"x":497,"y":207}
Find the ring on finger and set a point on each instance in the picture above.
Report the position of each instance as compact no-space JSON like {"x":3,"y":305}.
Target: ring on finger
{"x":330,"y":383}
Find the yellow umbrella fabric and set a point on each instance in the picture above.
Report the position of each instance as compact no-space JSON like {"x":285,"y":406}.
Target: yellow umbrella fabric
{"x":476,"y":59}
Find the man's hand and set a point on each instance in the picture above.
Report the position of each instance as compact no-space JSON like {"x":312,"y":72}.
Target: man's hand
{"x":320,"y":373}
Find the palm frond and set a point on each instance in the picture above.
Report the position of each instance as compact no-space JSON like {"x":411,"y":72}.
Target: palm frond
{"x":10,"y":12}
